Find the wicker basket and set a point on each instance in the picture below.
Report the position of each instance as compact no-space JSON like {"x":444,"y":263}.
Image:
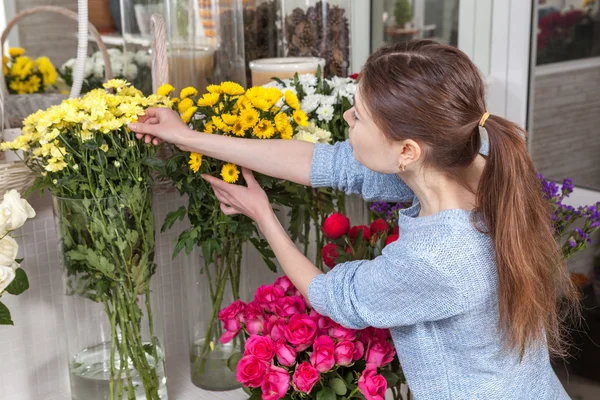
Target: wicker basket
{"x":14,"y":108}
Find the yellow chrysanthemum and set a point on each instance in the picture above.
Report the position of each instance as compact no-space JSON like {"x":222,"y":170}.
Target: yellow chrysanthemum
{"x":300,"y":117}
{"x":213,"y":89}
{"x":281,"y":121}
{"x":220,"y":125}
{"x":230,"y":173}
{"x":264,"y":129}
{"x":232,"y":88}
{"x":5,"y":60}
{"x":209,"y":128}
{"x":287,"y":133}
{"x":292,"y":100}
{"x":229,"y":119}
{"x":249,"y":117}
{"x":209,"y":99}
{"x":116,"y":84}
{"x":219,"y":108}
{"x":195,"y":161}
{"x":255,"y":92}
{"x":188,"y":114}
{"x":188,"y":92}
{"x":185,"y":104}
{"x":55,"y":165}
{"x":22,"y":67}
{"x":272,"y":95}
{"x":5,"y":70}
{"x":47,"y":70}
{"x":16,"y":51}
{"x":34,"y":84}
{"x":165,"y":90}
{"x":238,"y":129}
{"x":261,"y":103}
{"x":104,"y":147}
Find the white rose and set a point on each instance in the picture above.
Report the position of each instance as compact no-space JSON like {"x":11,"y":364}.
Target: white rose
{"x":7,"y":274}
{"x":8,"y":252}
{"x":325,"y":112}
{"x":18,"y":208}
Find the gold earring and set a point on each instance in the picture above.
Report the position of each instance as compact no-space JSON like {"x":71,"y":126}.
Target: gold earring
{"x":402,"y":167}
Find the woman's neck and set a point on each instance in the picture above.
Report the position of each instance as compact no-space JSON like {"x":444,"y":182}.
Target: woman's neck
{"x":437,"y":191}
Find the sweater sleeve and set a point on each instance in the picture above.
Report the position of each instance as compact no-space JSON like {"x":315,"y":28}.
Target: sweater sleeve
{"x":335,"y":166}
{"x":386,"y":292}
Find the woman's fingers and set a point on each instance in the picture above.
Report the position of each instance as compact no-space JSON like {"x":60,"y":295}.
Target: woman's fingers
{"x":228,"y":210}
{"x":249,"y":177}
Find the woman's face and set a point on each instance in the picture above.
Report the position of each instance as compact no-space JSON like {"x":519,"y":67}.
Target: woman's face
{"x":371,"y":148}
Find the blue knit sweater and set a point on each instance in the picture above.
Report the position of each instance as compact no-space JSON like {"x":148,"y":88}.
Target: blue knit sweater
{"x":435,"y":288}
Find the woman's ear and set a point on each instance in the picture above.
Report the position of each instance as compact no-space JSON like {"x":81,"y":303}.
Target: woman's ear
{"x":408,"y":152}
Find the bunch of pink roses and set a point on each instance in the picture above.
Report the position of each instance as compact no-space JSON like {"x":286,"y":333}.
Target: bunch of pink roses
{"x":293,"y":349}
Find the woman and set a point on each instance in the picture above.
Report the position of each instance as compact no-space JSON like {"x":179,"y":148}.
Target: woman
{"x":470,"y":289}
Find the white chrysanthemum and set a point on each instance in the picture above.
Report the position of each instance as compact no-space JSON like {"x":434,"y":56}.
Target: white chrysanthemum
{"x":142,"y":58}
{"x":328,"y":100}
{"x":325,"y":112}
{"x":69,"y":64}
{"x":96,"y":69}
{"x":130,"y":71}
{"x":308,"y":90}
{"x":310,"y":103}
{"x":307,"y":80}
{"x":274,"y":84}
{"x":306,"y":136}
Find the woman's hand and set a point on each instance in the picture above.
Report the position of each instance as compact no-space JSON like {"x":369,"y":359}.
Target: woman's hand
{"x":251,"y":200}
{"x":162,"y":124}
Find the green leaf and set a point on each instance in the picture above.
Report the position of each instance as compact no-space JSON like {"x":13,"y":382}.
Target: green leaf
{"x":256,"y":396}
{"x":391,"y":378}
{"x":233,"y":361}
{"x":19,"y":284}
{"x":153,"y":162}
{"x":5,"y":315}
{"x":326,"y":394}
{"x":338,"y":386}
{"x":349,"y":377}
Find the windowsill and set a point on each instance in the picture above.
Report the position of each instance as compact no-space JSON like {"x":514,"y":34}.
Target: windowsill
{"x":567,"y":66}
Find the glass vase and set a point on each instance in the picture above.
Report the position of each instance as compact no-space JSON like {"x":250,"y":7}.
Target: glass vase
{"x":211,"y":288}
{"x":114,"y":338}
{"x":205,"y":42}
{"x":321,"y":28}
{"x":262,"y":33}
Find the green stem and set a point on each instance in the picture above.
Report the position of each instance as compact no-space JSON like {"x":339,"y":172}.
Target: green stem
{"x":112,"y":315}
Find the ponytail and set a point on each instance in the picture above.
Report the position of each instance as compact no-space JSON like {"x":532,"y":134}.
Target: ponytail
{"x":533,"y":277}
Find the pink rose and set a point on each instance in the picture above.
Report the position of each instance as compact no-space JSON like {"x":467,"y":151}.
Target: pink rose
{"x":251,"y":371}
{"x":305,"y":377}
{"x":344,"y":353}
{"x":323,"y":323}
{"x":254,"y":318}
{"x":287,"y":285}
{"x":373,"y":386}
{"x":261,"y":347}
{"x":267,"y":294}
{"x":338,"y":332}
{"x":359,"y":350}
{"x":288,"y":306}
{"x":276,"y":383}
{"x":380,"y":353}
{"x":322,"y":357}
{"x":286,"y":355}
{"x":370,"y":333}
{"x":276,"y":327}
{"x":232,"y":316}
{"x":300,"y":331}
{"x":228,"y":337}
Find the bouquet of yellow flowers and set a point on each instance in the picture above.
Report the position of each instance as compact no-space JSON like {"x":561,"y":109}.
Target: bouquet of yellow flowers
{"x":24,"y":75}
{"x":226,"y":109}
{"x":101,"y":178}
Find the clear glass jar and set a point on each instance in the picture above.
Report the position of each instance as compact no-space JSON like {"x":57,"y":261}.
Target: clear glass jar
{"x":262,"y":31}
{"x":205,"y":42}
{"x":210,"y":289}
{"x":112,"y":319}
{"x":321,"y":28}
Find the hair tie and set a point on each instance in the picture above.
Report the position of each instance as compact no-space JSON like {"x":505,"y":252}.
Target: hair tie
{"x":484,"y":118}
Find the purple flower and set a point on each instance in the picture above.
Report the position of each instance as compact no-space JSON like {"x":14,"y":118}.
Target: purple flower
{"x":567,"y":187}
{"x":572,"y":242}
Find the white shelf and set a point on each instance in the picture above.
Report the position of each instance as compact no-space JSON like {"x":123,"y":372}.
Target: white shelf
{"x":114,"y":39}
{"x":181,"y":387}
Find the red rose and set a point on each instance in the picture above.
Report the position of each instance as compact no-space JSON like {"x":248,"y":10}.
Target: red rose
{"x":329,"y":254}
{"x":305,"y":377}
{"x":354,"y":76}
{"x":336,"y":226}
{"x":571,"y":18}
{"x":287,"y":285}
{"x":322,"y":357}
{"x":391,"y":238}
{"x":251,"y":371}
{"x":261,"y":347}
{"x":372,"y":385}
{"x":370,"y":334}
{"x":231,"y":316}
{"x":276,"y":383}
{"x":267,"y":294}
{"x":354,"y":232}
{"x":396,"y":230}
{"x":300,"y":331}
{"x":378,"y":227}
{"x":550,"y":22}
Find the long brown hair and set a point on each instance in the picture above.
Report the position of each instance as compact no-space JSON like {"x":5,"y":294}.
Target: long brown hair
{"x":432,"y":93}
